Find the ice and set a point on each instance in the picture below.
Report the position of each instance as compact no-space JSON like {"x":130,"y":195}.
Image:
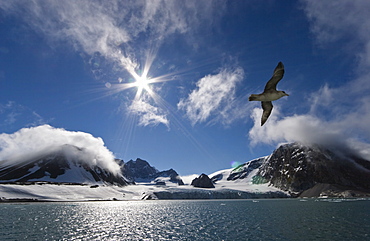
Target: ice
{"x":47,"y":189}
{"x":63,"y":192}
{"x":52,"y":192}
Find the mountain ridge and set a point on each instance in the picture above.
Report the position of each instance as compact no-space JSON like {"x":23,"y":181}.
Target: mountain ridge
{"x":141,"y":171}
{"x":57,"y":167}
{"x":292,"y":170}
{"x":306,"y":171}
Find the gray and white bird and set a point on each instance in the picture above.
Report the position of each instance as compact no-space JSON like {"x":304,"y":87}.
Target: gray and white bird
{"x":270,"y":93}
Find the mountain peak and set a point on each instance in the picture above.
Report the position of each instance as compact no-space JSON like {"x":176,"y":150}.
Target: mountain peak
{"x":295,"y":168}
{"x":140,"y":170}
{"x":58,"y":167}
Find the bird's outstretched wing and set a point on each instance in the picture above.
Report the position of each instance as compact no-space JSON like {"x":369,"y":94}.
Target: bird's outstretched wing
{"x":276,"y":77}
{"x":267,"y":108}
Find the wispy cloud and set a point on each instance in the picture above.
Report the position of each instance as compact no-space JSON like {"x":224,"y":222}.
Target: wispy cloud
{"x":342,"y":20}
{"x":149,"y":115}
{"x":338,"y":116}
{"x":113,"y":28}
{"x":9,"y":111}
{"x":29,"y":144}
{"x":214,"y":94}
{"x":12,"y":113}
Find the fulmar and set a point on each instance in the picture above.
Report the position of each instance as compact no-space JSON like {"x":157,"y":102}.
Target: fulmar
{"x":270,"y":93}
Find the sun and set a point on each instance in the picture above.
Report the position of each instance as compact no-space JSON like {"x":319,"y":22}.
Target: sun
{"x":140,"y":80}
{"x":142,"y":83}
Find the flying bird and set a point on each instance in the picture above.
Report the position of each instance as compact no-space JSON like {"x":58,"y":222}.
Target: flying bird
{"x":270,"y":93}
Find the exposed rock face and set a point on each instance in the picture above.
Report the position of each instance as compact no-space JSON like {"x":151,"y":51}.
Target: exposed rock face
{"x":297,"y":168}
{"x":172,"y":174}
{"x":243,"y":170}
{"x":141,"y":170}
{"x":149,"y":196}
{"x":22,"y":171}
{"x":202,"y":181}
{"x":333,"y":190}
{"x":56,"y":168}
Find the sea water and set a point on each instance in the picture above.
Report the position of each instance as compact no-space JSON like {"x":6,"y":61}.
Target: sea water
{"x":282,"y":219}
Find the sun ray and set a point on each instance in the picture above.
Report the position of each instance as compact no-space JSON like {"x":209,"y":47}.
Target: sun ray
{"x":174,"y":116}
{"x":142,"y":82}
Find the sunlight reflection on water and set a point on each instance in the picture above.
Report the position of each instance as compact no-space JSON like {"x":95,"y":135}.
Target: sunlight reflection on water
{"x":186,"y":220}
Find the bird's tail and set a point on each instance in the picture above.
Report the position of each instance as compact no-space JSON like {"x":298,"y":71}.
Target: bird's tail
{"x":252,"y":97}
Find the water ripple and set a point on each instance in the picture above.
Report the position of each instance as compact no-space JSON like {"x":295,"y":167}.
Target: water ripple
{"x":186,"y":220}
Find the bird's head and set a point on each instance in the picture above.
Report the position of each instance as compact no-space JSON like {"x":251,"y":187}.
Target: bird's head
{"x":283,"y":93}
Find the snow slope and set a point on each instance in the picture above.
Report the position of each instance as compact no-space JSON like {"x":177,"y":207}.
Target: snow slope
{"x":57,"y":168}
{"x":292,"y":169}
{"x":224,"y":189}
{"x":236,"y":183}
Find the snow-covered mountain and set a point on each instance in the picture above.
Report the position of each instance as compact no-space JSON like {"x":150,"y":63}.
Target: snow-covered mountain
{"x":314,"y":170}
{"x":141,"y":171}
{"x":57,"y":167}
{"x":292,"y":170}
{"x":306,"y":171}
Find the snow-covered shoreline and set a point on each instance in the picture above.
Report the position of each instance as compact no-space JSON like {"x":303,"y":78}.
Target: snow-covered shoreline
{"x":292,"y":170}
{"x":70,"y":188}
{"x":85,"y":192}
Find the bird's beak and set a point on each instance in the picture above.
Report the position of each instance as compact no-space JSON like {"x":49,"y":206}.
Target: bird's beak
{"x":286,"y":94}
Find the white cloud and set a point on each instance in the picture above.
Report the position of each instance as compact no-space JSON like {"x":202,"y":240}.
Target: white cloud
{"x":343,"y":20}
{"x":113,"y":28}
{"x":89,"y":26}
{"x":9,"y":112}
{"x":28,"y":144}
{"x":301,"y":128}
{"x":214,"y":94}
{"x":337,"y":135}
{"x":148,"y":114}
{"x":338,"y":117}
{"x":109,"y":26}
{"x":13,"y":113}
{"x":347,"y":21}
{"x":323,"y":97}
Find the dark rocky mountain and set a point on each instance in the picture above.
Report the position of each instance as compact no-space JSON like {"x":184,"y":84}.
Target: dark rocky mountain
{"x":301,"y":170}
{"x":306,"y":171}
{"x":56,"y":168}
{"x":141,"y":170}
{"x":202,"y":181}
{"x":314,"y":171}
{"x":242,"y":171}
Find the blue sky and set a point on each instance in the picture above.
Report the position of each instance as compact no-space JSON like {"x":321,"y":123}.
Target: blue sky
{"x":73,"y":65}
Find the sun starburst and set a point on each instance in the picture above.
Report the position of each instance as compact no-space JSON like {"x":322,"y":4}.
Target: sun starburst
{"x":142,"y":83}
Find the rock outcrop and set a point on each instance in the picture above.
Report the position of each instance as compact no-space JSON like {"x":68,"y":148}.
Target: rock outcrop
{"x":141,"y":170}
{"x":203,"y":181}
{"x":297,"y":168}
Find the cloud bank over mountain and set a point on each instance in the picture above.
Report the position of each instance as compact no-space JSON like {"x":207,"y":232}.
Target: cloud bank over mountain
{"x":338,"y":116}
{"x":29,"y":144}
